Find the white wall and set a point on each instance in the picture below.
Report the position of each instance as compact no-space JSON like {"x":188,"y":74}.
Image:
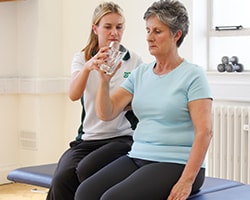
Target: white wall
{"x":38,"y":39}
{"x":37,"y":118}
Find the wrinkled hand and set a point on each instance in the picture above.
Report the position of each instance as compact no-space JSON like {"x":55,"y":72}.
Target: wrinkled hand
{"x":180,"y":191}
{"x":106,"y":77}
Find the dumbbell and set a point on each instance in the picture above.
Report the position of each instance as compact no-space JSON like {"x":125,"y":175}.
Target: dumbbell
{"x":230,"y":64}
{"x":222,"y":66}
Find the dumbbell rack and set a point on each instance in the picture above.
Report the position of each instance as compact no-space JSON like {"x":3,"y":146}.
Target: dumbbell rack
{"x":230,"y":64}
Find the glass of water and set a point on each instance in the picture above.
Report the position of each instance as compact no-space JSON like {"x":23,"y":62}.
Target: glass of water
{"x":115,"y":56}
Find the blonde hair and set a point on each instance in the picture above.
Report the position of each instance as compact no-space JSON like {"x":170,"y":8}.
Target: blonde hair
{"x":100,"y":11}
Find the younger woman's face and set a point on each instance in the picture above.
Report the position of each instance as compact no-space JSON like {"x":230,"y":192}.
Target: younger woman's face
{"x":110,"y":28}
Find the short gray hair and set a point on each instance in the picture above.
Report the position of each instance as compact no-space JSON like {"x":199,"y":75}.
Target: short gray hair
{"x":171,"y":13}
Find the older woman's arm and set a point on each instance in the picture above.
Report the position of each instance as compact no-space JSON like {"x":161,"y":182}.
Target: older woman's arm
{"x":108,"y":107}
{"x":200,"y":111}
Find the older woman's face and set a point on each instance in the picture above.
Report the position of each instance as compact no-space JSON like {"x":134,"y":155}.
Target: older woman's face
{"x":110,"y":28}
{"x":161,"y":41}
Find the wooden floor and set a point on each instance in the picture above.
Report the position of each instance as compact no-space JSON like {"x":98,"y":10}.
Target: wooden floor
{"x":17,"y":191}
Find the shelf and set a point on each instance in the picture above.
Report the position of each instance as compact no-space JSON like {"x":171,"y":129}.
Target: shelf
{"x":230,"y":86}
{"x":230,"y":33}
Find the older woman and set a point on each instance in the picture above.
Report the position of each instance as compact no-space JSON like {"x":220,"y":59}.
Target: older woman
{"x":172,"y":100}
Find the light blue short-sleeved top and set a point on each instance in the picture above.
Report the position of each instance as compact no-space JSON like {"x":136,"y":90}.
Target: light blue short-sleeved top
{"x":165,"y":131}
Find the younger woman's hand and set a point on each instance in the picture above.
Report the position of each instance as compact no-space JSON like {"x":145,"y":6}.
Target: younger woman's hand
{"x":98,"y":59}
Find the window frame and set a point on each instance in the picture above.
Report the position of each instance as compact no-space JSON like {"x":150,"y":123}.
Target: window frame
{"x":211,"y":32}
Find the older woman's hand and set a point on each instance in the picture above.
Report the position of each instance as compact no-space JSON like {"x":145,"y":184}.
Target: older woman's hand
{"x":180,"y":191}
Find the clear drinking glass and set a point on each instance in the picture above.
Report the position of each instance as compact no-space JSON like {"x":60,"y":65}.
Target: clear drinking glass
{"x":115,"y":56}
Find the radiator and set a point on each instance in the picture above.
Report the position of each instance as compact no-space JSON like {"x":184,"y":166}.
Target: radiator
{"x":229,"y":152}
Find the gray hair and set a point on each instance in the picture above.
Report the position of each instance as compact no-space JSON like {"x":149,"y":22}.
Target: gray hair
{"x":173,"y":14}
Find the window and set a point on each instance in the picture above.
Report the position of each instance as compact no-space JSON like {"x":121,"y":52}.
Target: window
{"x":228,"y":14}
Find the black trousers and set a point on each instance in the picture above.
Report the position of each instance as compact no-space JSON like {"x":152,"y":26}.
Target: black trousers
{"x":133,"y":179}
{"x":83,"y":159}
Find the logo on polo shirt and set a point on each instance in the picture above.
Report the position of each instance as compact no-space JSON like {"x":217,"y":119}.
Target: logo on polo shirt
{"x":126,"y":74}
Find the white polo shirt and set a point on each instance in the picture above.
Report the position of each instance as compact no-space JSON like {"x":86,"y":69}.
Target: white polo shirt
{"x":94,"y":128}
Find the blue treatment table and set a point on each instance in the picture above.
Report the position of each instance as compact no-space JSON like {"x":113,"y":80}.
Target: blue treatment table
{"x":241,"y":192}
{"x":212,"y":189}
{"x":40,"y":175}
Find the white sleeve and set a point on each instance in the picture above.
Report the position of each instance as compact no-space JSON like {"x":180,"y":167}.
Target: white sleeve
{"x":77,"y":62}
